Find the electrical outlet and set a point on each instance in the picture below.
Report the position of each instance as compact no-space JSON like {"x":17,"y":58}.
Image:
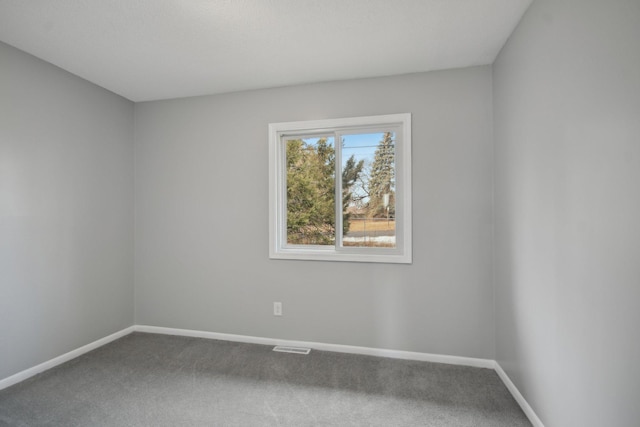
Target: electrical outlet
{"x":277,"y":309}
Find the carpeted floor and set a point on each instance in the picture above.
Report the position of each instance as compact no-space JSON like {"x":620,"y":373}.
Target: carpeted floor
{"x":158,"y":380}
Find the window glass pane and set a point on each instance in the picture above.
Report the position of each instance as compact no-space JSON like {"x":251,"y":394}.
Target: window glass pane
{"x":310,"y":190}
{"x":368,"y":190}
{"x":340,"y":189}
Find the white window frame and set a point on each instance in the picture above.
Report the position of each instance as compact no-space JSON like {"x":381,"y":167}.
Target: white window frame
{"x":278,"y":246}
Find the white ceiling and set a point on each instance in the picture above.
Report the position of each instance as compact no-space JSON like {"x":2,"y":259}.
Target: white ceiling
{"x":158,"y":49}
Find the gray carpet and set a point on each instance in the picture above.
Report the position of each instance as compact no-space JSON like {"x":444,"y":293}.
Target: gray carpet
{"x":158,"y":380}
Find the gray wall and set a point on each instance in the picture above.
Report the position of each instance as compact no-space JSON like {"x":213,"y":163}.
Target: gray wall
{"x":66,"y":212}
{"x":567,"y":132}
{"x":202,"y":231}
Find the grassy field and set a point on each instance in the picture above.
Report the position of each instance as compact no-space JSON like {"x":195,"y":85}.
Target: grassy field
{"x":371,"y":225}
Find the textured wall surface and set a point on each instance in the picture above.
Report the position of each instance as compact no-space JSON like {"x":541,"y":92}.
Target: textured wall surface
{"x":567,"y":198}
{"x":66,"y":212}
{"x":202,"y":231}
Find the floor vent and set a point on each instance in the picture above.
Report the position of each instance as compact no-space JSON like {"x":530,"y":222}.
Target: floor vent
{"x":294,"y":350}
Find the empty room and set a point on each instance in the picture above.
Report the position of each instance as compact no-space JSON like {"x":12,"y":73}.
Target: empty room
{"x":320,"y":213}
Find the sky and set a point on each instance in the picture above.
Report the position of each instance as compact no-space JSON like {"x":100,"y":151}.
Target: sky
{"x":362,"y":145}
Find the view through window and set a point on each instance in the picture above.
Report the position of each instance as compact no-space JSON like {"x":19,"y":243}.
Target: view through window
{"x":340,"y":189}
{"x":367,"y":196}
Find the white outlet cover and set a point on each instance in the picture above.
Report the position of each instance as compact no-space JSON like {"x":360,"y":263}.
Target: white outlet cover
{"x":277,"y":309}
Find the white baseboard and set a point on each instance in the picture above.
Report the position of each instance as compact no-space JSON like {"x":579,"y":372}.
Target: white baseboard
{"x":339,"y":348}
{"x":526,"y":408}
{"x":28,"y":373}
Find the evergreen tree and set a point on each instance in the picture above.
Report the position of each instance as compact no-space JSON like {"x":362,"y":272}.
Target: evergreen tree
{"x":310,"y":192}
{"x":382,"y":178}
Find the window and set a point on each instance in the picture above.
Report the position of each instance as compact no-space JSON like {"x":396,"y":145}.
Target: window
{"x":340,"y":189}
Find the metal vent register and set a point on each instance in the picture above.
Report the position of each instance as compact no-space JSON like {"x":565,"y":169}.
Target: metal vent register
{"x":294,"y":350}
